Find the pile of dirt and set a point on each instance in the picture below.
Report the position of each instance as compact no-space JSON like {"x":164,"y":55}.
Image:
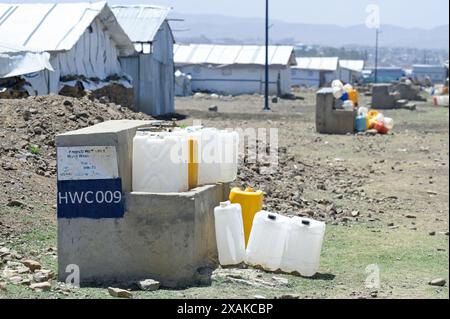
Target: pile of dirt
{"x":285,"y":185}
{"x":27,"y":141}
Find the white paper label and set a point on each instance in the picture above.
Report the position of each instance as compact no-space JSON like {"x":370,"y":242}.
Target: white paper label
{"x":87,"y":163}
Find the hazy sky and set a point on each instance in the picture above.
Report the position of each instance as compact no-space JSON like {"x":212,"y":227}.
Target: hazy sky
{"x":406,"y":13}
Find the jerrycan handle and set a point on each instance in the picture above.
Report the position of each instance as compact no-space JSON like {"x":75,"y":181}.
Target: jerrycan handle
{"x":306,"y":222}
{"x":272,"y":217}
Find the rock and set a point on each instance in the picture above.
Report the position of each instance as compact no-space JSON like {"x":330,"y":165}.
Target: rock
{"x":32,"y":264}
{"x":43,"y":276}
{"x":439,"y":282}
{"x":290,"y":297}
{"x":432,"y":193}
{"x":42,"y":286}
{"x":275,"y":100}
{"x":120,"y":293}
{"x":258,"y":297}
{"x":15,"y":280}
{"x":2,"y":286}
{"x":148,"y":285}
{"x":282,"y":281}
{"x":411,"y":216}
{"x":213,"y":108}
{"x":355,"y":213}
{"x":432,"y":233}
{"x":16,"y":203}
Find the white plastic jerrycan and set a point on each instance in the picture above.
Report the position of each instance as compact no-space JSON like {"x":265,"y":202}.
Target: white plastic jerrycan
{"x":303,"y":246}
{"x":160,"y":163}
{"x":229,"y":234}
{"x":229,"y":151}
{"x":267,"y":239}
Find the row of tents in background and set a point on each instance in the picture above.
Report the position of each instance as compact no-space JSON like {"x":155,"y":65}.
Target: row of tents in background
{"x":48,"y":48}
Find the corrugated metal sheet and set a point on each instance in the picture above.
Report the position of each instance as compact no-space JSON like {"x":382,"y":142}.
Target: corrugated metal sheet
{"x":16,"y":61}
{"x":232,"y":54}
{"x":141,"y":22}
{"x":320,"y":64}
{"x":352,"y":65}
{"x":57,"y":26}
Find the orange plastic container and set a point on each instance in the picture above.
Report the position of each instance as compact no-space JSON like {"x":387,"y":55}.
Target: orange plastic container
{"x":251,"y":203}
{"x":353,"y":96}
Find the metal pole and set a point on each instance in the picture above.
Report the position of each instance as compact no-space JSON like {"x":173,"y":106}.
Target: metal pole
{"x":266,"y":95}
{"x":376,"y":57}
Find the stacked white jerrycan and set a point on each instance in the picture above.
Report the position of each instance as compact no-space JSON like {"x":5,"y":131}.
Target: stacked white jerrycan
{"x":161,"y":160}
{"x":160,"y":163}
{"x":217,"y":154}
{"x":229,"y":234}
{"x":287,"y":244}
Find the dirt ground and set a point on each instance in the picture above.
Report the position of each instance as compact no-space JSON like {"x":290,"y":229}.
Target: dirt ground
{"x":385,"y":200}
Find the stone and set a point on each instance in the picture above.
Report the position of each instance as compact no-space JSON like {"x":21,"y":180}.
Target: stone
{"x":290,"y":297}
{"x":148,"y":285}
{"x":41,"y":286}
{"x":3,"y":286}
{"x":259,"y":297}
{"x":15,"y":280}
{"x":32,"y":264}
{"x":282,"y":281}
{"x":43,"y":275}
{"x":355,"y":213}
{"x":120,"y":293}
{"x":438,"y":282}
{"x":16,"y":203}
{"x":213,"y":108}
{"x":432,"y":233}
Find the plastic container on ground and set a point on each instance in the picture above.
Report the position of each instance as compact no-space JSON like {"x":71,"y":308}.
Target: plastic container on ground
{"x":303,"y":246}
{"x":159,"y":163}
{"x":389,"y":123}
{"x":267,"y":241}
{"x":361,"y":124}
{"x":251,"y":203}
{"x":229,"y":234}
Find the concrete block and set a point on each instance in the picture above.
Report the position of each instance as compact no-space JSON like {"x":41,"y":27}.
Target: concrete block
{"x":382,"y":97}
{"x":330,"y":120}
{"x":166,"y":237}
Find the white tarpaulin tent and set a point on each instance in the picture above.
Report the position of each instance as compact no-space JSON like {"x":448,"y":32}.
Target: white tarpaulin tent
{"x":152,"y":67}
{"x":314,"y":72}
{"x":235,"y":69}
{"x":83,"y":39}
{"x":15,"y":61}
{"x":350,"y":71}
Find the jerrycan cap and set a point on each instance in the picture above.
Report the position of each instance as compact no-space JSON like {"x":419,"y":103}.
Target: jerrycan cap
{"x":249,"y":190}
{"x":306,"y":222}
{"x":225,"y":204}
{"x":272,"y":217}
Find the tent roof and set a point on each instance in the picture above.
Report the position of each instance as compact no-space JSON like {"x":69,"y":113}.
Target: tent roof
{"x":320,"y":64}
{"x":15,"y":61}
{"x":141,"y":22}
{"x":233,"y":54}
{"x":352,"y":65}
{"x":57,"y":26}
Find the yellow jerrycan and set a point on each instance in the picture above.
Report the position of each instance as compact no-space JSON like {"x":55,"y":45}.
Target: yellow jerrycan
{"x":251,"y":203}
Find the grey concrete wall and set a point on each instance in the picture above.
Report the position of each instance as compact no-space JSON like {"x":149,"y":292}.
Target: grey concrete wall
{"x":382,"y":97}
{"x":166,"y":237}
{"x":330,"y":120}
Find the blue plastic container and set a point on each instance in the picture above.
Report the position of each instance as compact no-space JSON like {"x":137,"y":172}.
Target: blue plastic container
{"x":344,"y":97}
{"x":361,"y":124}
